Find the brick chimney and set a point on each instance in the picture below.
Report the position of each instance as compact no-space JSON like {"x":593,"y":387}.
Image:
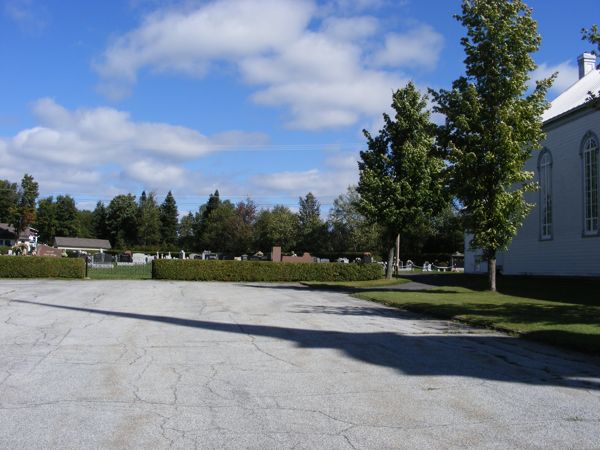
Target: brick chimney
{"x":586,"y":63}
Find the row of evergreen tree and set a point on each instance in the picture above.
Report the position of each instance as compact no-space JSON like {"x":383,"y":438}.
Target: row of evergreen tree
{"x":218,"y":225}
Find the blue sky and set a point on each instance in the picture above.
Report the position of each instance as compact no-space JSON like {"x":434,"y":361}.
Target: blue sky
{"x":259,"y":98}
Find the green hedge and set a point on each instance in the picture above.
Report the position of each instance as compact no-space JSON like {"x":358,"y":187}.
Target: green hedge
{"x":41,"y":267}
{"x":165,"y":269}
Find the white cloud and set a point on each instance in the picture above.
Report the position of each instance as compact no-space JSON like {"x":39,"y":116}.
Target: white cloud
{"x":567,"y":75}
{"x":183,"y":41}
{"x":419,"y":47}
{"x":321,"y":70}
{"x":339,"y":171}
{"x":90,"y":149}
{"x":29,"y":15}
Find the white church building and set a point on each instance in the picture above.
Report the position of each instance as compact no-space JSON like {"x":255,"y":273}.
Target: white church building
{"x":561,"y":235}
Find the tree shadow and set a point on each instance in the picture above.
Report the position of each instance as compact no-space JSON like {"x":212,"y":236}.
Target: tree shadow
{"x":487,"y":357}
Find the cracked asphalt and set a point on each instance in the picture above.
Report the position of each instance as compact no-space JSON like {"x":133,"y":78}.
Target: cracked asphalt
{"x":150,"y":364}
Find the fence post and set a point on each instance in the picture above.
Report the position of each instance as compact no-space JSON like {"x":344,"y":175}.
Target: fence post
{"x":86,"y":267}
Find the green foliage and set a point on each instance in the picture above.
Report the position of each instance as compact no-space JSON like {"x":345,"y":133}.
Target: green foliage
{"x":491,"y":125}
{"x":312,"y":232}
{"x":67,"y":224}
{"x":148,"y":220}
{"x":41,"y":267}
{"x":186,"y":231}
{"x":400,"y":182}
{"x":261,"y":271}
{"x":593,"y":37}
{"x":99,"y":225}
{"x":349,"y":230}
{"x":45,"y":221}
{"x":23,"y":214}
{"x":121,"y":219}
{"x":85,"y":221}
{"x":277,"y":226}
{"x":8,"y":200}
{"x":168,"y":220}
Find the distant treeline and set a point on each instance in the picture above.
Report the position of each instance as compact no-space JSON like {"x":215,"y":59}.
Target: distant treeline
{"x":218,"y":225}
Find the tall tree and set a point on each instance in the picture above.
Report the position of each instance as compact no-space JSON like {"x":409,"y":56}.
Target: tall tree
{"x":85,"y":220}
{"x":121,"y":219}
{"x":492,"y":125}
{"x":9,"y":197}
{"x":311,"y":229}
{"x":202,"y":217}
{"x":99,"y":225}
{"x":186,"y":232}
{"x":23,"y":214}
{"x":148,"y":220}
{"x":400,"y":177}
{"x":276,"y":227}
{"x":45,"y":221}
{"x":168,"y":220}
{"x":350,"y":231}
{"x":67,"y":224}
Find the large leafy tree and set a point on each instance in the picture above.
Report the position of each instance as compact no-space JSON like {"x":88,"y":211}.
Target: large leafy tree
{"x":45,"y":221}
{"x":202,"y":217}
{"x":277,"y":226}
{"x":67,"y":223}
{"x":492,"y":125}
{"x":168,"y":220}
{"x":186,"y":232}
{"x":121,"y":219}
{"x":350,"y":231}
{"x":9,"y":197}
{"x":311,"y":229}
{"x":86,"y":227}
{"x":99,"y":224}
{"x":23,"y":214}
{"x":400,"y":177}
{"x":148,"y":220}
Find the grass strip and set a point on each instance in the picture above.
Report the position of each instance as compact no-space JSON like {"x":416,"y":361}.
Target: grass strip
{"x":369,"y":284}
{"x":573,"y":324}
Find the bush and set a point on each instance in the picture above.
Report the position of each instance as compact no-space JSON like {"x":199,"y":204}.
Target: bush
{"x":41,"y":267}
{"x":196,"y":270}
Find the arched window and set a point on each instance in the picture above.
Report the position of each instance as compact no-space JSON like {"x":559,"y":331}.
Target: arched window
{"x":590,"y":184}
{"x":545,"y":171}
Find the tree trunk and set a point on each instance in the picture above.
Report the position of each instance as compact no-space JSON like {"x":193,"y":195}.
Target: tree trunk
{"x":397,"y":266}
{"x":390,"y":264}
{"x":492,"y":274}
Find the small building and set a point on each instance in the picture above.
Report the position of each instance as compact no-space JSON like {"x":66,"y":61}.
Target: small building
{"x":8,"y":236}
{"x":82,"y":244}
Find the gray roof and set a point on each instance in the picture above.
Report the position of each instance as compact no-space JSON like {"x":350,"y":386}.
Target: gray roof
{"x":70,"y":242}
{"x":6,"y":229}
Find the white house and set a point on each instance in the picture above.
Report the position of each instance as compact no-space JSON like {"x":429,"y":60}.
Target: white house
{"x":561,"y":236}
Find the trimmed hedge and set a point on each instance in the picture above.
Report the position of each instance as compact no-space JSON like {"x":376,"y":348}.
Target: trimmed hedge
{"x":195,"y":270}
{"x":41,"y":267}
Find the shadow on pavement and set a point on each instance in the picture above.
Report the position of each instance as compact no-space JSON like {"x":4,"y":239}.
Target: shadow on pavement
{"x":485,"y":357}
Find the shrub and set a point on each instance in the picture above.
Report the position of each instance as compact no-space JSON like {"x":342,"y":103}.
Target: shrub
{"x":196,"y":270}
{"x":41,"y":267}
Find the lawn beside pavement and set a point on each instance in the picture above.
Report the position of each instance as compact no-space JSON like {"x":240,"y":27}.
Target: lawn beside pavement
{"x":353,"y":285}
{"x":559,"y":312}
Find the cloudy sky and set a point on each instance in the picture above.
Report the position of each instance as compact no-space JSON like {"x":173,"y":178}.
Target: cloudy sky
{"x":259,"y":98}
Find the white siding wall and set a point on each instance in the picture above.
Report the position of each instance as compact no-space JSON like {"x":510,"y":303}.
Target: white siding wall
{"x":568,"y":252}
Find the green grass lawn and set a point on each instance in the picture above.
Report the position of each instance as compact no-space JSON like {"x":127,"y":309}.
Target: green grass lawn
{"x":140,"y":272}
{"x":555,"y":311}
{"x":355,"y":284}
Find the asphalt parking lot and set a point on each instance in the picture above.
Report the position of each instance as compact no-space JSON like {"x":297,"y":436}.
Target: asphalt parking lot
{"x":150,"y":364}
